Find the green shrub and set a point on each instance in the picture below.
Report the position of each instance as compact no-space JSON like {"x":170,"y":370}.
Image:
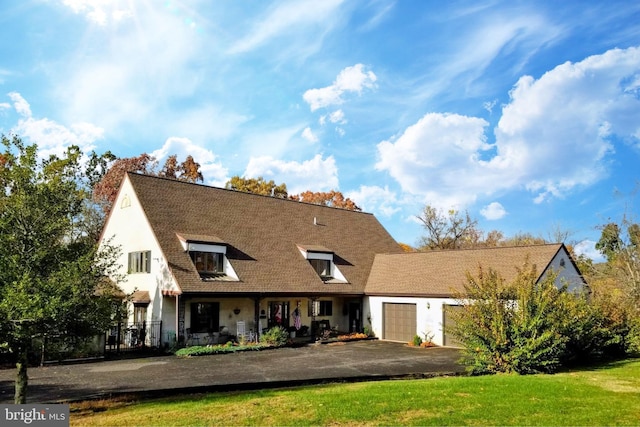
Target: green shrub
{"x":511,"y":327}
{"x":276,"y":336}
{"x":529,"y":327}
{"x":417,"y":340}
{"x":593,"y":331}
{"x":205,"y":350}
{"x":633,"y":336}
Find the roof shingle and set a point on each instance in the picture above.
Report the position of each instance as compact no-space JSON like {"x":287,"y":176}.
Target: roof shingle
{"x":262,"y":235}
{"x":443,"y":273}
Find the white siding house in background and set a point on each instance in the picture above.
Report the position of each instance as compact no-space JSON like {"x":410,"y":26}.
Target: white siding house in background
{"x":205,"y":260}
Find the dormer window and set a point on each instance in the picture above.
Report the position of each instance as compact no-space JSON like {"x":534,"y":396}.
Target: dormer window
{"x":322,"y":267}
{"x":322,"y":261}
{"x":208,"y":254}
{"x":208,"y":262}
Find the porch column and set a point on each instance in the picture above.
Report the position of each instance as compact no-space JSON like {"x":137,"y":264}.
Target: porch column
{"x":177,"y":319}
{"x":256,"y":316}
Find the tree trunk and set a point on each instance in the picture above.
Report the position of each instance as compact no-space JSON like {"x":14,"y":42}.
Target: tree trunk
{"x":21,"y":377}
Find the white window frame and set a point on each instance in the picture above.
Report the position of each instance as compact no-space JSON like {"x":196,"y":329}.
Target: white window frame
{"x":334,"y":271}
{"x":227,"y":268}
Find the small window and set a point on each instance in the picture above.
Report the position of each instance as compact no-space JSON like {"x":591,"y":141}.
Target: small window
{"x":322,"y":267}
{"x":140,"y":262}
{"x":208,"y":262}
{"x":320,"y":308}
{"x":139,"y":313}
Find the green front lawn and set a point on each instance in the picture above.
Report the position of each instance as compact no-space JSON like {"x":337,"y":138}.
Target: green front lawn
{"x":609,"y":395}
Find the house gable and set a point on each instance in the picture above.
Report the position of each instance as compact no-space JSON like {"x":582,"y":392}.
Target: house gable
{"x":127,"y":227}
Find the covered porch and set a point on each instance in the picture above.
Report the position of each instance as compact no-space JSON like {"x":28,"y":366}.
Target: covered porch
{"x":208,"y":319}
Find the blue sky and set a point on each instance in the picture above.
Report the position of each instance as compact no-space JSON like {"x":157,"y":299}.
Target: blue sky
{"x":526,"y":114}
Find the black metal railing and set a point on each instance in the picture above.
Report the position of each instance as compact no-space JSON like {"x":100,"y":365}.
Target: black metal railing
{"x":134,"y":336}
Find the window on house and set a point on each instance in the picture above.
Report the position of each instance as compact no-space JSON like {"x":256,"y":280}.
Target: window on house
{"x":139,"y":313}
{"x":207,"y":262}
{"x":140,"y":262}
{"x":320,"y":308}
{"x":322,"y":267}
{"x":205,"y":317}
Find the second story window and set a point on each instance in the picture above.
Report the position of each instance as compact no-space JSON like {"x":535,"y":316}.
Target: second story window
{"x":209,"y":257}
{"x":322,"y":267}
{"x":140,"y":262}
{"x":322,"y":260}
{"x":207,"y":262}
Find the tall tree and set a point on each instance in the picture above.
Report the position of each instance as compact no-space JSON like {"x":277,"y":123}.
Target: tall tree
{"x":610,"y":243}
{"x":106,"y":188}
{"x":450,"y":230}
{"x":257,"y":186}
{"x":523,"y":239}
{"x":51,"y":273}
{"x":620,"y":244}
{"x":332,"y":198}
{"x":188,"y":170}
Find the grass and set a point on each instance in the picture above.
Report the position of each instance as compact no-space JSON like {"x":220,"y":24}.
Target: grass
{"x":608,"y":395}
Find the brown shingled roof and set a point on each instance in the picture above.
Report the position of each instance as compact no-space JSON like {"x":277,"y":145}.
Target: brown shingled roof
{"x":261,"y":234}
{"x":443,"y":273}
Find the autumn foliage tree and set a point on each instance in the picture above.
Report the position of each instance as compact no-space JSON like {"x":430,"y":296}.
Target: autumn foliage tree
{"x":332,"y":198}
{"x":269,"y":188}
{"x":257,"y":186}
{"x":188,"y":170}
{"x":106,"y":190}
{"x":450,"y":230}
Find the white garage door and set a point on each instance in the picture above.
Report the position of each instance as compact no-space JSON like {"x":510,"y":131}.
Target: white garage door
{"x":448,"y":322}
{"x":399,"y":321}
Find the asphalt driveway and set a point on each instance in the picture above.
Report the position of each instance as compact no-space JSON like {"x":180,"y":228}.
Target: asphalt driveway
{"x":169,"y":375}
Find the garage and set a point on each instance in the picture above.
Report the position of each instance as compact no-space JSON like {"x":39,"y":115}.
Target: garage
{"x":399,"y":321}
{"x":448,"y":322}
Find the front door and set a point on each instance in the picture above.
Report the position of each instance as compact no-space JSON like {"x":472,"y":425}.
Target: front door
{"x":354,"y":317}
{"x":279,"y":314}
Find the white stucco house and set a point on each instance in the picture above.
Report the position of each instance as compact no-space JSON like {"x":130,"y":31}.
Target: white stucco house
{"x":203,"y":260}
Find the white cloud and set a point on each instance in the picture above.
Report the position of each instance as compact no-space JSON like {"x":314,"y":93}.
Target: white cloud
{"x":375,"y":199}
{"x":5,"y":106}
{"x":552,"y":137}
{"x":52,"y":137}
{"x":309,"y":135}
{"x":286,"y":17}
{"x":489,"y":105}
{"x":337,"y":117}
{"x":20,"y":104}
{"x":437,"y":157}
{"x":317,"y":174}
{"x":212,"y":170}
{"x":588,"y":249}
{"x":478,"y":44}
{"x":493,"y":211}
{"x":351,"y":79}
{"x":101,"y":11}
{"x":556,"y":130}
